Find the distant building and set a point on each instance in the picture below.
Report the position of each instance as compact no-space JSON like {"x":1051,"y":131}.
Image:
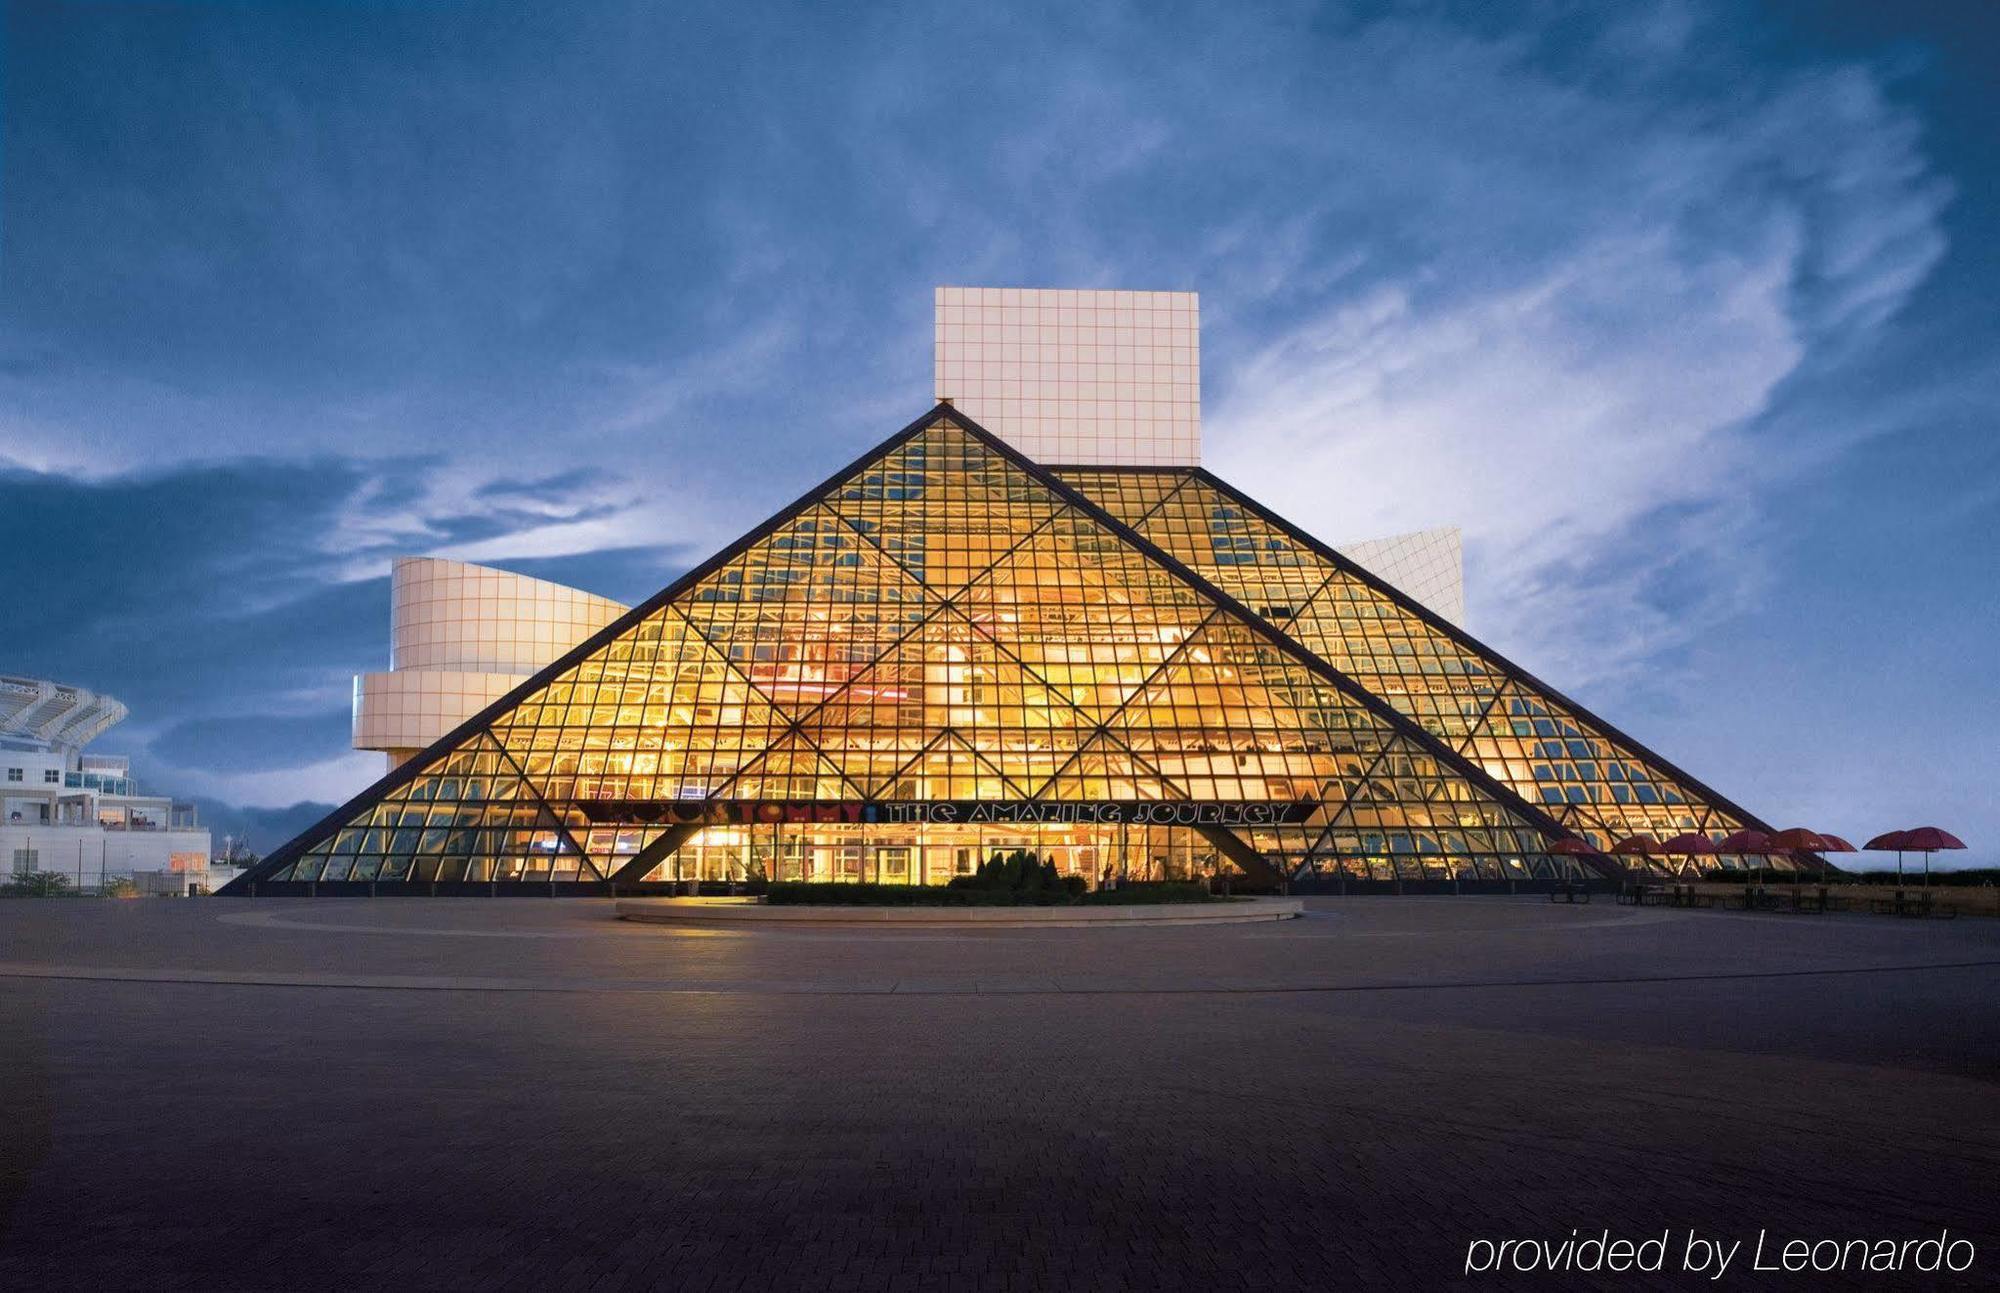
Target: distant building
{"x":81,"y":815}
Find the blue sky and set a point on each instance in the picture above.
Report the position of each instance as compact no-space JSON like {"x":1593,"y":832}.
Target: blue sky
{"x":1680,"y":310}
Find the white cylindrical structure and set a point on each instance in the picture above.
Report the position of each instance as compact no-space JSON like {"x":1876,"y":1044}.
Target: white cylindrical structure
{"x":460,"y":637}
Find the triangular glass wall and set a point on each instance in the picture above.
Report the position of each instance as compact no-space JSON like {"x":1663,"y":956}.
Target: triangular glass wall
{"x":1569,"y":763}
{"x":469,"y":817}
{"x":944,"y":623}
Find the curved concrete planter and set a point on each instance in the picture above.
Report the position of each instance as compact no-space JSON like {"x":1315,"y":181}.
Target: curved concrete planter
{"x":749,"y":911}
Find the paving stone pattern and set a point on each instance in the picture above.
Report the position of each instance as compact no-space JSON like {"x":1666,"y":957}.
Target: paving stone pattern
{"x":1135,"y":1109}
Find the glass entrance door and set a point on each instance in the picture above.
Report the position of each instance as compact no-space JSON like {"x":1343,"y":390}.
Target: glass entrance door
{"x":892,"y":865}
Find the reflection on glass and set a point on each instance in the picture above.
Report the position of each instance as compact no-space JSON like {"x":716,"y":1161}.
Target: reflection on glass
{"x":943,"y":625}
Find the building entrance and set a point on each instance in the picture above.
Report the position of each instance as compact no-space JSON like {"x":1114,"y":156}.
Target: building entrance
{"x":934,"y":854}
{"x":892,"y":864}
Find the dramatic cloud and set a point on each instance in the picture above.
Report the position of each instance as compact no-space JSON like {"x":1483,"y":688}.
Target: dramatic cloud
{"x":254,"y":743}
{"x":1611,"y":291}
{"x":293,"y":289}
{"x":229,"y":605}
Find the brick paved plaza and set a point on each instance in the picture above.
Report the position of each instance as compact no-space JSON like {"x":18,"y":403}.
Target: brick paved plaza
{"x":528,"y":1094}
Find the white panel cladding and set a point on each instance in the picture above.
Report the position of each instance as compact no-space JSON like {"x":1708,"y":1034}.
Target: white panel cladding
{"x":410,"y":708}
{"x":1075,"y":375}
{"x":1428,"y":565}
{"x":451,"y":615}
{"x":461,"y":637}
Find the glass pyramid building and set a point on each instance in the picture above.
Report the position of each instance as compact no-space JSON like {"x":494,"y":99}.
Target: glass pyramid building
{"x":947,"y":649}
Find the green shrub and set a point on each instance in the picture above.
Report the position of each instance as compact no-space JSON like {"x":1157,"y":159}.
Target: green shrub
{"x":1020,"y":873}
{"x":1150,"y":892}
{"x":794,"y":893}
{"x":38,"y":884}
{"x":1913,"y":873}
{"x":1065,"y":891}
{"x":1768,"y":875}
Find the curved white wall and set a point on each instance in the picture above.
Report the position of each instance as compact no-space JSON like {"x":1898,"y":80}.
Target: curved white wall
{"x":450,"y":615}
{"x":402,"y":712}
{"x":461,"y":636}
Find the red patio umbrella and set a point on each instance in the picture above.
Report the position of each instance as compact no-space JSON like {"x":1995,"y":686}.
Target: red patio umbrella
{"x":1640,"y":846}
{"x":1747,"y":841}
{"x":1928,"y":840}
{"x":1692,"y":843}
{"x":1570,"y":846}
{"x":1834,"y":844}
{"x":1891,"y":842}
{"x":1798,"y":839}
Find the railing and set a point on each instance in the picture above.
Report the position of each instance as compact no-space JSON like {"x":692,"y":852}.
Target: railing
{"x":97,"y":781}
{"x":87,"y":824}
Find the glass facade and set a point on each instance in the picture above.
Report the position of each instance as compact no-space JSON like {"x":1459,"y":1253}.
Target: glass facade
{"x":944,"y":652}
{"x":933,"y":854}
{"x":1554,"y":756}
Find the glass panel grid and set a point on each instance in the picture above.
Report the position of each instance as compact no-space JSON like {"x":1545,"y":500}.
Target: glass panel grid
{"x":943,"y":626}
{"x":1550,"y":755}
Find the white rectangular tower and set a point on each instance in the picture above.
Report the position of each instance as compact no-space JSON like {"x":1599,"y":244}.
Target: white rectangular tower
{"x":1076,"y":376}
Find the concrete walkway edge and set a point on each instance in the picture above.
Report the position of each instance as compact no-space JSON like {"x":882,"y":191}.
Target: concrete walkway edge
{"x":745,"y":911}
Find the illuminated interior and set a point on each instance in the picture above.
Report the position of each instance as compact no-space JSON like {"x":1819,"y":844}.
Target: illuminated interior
{"x":945,"y":629}
{"x":1591,"y":779}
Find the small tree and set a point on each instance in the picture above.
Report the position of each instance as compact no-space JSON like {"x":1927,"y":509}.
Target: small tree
{"x":39,"y":884}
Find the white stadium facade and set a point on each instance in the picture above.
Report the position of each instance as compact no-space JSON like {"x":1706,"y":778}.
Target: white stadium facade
{"x":80,"y":816}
